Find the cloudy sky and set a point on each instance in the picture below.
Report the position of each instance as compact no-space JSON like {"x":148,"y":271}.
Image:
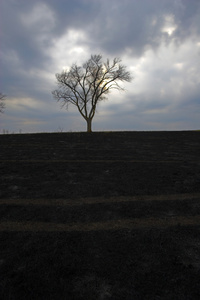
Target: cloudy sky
{"x":158,"y":41}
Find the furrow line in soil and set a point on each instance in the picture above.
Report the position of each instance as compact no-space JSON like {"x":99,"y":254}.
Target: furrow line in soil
{"x":98,"y":226}
{"x":97,"y":200}
{"x":96,"y":161}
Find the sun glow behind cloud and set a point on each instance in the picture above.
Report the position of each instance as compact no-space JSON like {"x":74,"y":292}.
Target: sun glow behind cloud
{"x":169,"y":25}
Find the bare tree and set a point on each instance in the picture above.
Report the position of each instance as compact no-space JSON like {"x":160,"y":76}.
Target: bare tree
{"x":84,"y":86}
{"x":2,"y":104}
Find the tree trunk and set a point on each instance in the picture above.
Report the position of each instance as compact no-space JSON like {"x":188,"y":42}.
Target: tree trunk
{"x":89,"y":125}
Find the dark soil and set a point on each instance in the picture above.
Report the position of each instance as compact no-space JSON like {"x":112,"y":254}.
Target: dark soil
{"x":106,"y":215}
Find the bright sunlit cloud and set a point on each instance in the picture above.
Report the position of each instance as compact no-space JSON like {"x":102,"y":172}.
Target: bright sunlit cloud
{"x":68,"y":48}
{"x":169,"y":25}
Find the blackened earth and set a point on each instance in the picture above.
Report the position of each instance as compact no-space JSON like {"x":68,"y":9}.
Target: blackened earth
{"x":105,"y":215}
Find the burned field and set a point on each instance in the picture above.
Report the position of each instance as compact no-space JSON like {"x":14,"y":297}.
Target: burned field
{"x":105,"y":215}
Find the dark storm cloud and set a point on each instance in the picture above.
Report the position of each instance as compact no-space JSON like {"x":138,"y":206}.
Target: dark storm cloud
{"x":74,"y":14}
{"x":137,"y":25}
{"x":17,"y":38}
{"x":112,"y":27}
{"x":29,"y":27}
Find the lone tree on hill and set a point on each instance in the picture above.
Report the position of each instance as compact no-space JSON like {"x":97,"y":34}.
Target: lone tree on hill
{"x":2,"y":104}
{"x":84,"y":86}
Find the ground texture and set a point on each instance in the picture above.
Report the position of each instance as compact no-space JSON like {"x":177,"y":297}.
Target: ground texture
{"x":106,"y":215}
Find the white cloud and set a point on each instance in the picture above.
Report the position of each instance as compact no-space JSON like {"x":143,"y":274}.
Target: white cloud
{"x":165,"y":81}
{"x":71,"y":47}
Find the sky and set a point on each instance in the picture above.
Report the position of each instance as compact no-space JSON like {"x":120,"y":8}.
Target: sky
{"x":158,"y":41}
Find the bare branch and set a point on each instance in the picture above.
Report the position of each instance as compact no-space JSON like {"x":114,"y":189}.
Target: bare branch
{"x":84,"y":86}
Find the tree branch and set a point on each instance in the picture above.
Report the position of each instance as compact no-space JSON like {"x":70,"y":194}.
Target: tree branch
{"x":86,"y":85}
